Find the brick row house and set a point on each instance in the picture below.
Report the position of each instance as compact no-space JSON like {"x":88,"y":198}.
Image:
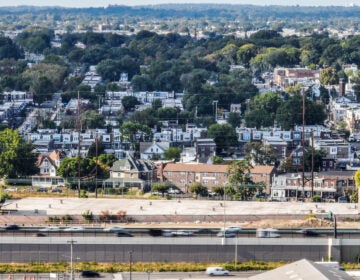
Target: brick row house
{"x":328,"y":185}
{"x":210,"y":175}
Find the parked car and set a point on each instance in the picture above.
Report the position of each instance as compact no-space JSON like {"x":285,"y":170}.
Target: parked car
{"x":89,"y":274}
{"x":42,"y":190}
{"x":212,"y":271}
{"x":12,"y":227}
{"x":56,"y":191}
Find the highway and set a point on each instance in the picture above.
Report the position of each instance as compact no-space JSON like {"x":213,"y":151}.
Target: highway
{"x":41,"y":232}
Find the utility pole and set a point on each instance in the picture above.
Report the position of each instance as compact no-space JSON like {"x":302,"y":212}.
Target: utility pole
{"x":71,"y":242}
{"x":216,"y":104}
{"x":130,"y":264}
{"x":312,"y":163}
{"x":79,"y":130}
{"x":303,"y":144}
{"x":96,"y":165}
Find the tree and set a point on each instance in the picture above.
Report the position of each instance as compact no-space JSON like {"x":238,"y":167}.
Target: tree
{"x":329,"y":76}
{"x":289,"y":113}
{"x":234,"y":119}
{"x":261,"y":154}
{"x":161,"y":187}
{"x":198,"y":189}
{"x":224,"y":136}
{"x":16,"y":156}
{"x":91,"y":119}
{"x":172,"y":153}
{"x":129,"y":102}
{"x":134,"y":132}
{"x":42,"y":89}
{"x":239,"y":177}
{"x":92,"y":149}
{"x":357,"y":182}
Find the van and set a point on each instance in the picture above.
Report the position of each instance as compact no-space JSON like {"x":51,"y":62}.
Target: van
{"x":216,"y":271}
{"x":267,"y":233}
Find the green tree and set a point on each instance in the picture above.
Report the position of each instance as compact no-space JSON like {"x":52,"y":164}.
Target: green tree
{"x":172,"y":153}
{"x":91,"y":119}
{"x":129,"y":102}
{"x":239,"y":177}
{"x":234,"y":119}
{"x":289,"y":113}
{"x":134,"y":132}
{"x":161,"y":187}
{"x":198,"y":189}
{"x":92,"y":149}
{"x":16,"y":156}
{"x":329,"y":76}
{"x":261,"y":154}
{"x":42,"y":88}
{"x":318,"y":156}
{"x":224,"y":136}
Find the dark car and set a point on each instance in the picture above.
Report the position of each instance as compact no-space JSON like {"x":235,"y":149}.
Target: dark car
{"x":124,"y":234}
{"x":39,"y":234}
{"x":12,"y":227}
{"x":89,"y":274}
{"x":308,"y":232}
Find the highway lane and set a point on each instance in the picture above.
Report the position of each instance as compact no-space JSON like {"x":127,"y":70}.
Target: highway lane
{"x":144,"y":232}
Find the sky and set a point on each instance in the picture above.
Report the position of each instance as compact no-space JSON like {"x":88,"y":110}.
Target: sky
{"x":103,"y":3}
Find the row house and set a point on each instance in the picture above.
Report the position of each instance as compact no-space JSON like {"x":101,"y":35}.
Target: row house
{"x":9,"y":96}
{"x":284,"y":77}
{"x":334,"y":148}
{"x":183,"y":175}
{"x":327,"y":185}
{"x":211,"y":175}
{"x":290,"y":136}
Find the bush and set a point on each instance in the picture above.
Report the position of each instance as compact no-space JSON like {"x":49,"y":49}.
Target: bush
{"x":88,"y":215}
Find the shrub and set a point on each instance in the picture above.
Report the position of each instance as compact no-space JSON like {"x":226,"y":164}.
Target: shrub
{"x":88,"y":216}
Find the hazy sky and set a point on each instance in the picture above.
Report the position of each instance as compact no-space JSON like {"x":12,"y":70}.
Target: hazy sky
{"x":102,"y":3}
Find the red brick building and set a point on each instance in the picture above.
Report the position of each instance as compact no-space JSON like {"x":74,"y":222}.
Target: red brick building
{"x":210,"y":175}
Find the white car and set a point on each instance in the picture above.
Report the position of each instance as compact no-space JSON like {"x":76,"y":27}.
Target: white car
{"x":233,"y":229}
{"x":50,"y":229}
{"x":114,"y":229}
{"x":212,"y":271}
{"x":182,"y":233}
{"x":74,"y":229}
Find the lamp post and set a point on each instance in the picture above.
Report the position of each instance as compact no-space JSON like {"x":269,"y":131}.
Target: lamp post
{"x":148,"y":273}
{"x":130,"y":263}
{"x":71,"y":242}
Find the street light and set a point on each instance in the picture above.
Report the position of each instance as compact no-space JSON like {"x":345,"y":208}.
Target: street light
{"x":71,"y":242}
{"x":130,"y":262}
{"x":148,"y":273}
